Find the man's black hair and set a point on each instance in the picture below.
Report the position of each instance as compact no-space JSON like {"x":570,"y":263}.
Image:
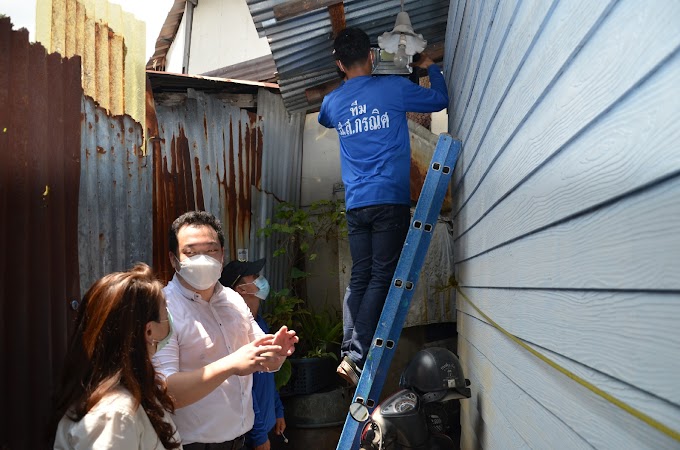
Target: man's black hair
{"x":194,"y":218}
{"x":351,"y":46}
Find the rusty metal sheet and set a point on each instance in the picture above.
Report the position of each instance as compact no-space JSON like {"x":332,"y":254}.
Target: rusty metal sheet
{"x":423,"y":142}
{"x":114,"y":217}
{"x":207,"y":156}
{"x":236,"y":164}
{"x":39,"y":179}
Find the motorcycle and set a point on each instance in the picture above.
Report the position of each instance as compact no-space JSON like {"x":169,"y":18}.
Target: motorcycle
{"x":419,"y":415}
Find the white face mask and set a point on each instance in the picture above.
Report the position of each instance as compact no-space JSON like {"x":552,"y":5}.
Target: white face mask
{"x":200,"y":271}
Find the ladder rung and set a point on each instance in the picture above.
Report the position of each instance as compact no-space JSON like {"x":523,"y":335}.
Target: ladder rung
{"x":404,"y":281}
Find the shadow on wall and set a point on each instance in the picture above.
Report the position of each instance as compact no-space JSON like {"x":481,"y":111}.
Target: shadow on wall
{"x":479,"y":423}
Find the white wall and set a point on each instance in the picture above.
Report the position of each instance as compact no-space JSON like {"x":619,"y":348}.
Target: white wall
{"x":321,"y":162}
{"x":175,"y":56}
{"x":440,"y":122}
{"x":566,"y":218}
{"x":223,"y":34}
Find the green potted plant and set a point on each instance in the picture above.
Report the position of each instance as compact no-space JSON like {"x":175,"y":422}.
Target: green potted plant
{"x":299,"y":233}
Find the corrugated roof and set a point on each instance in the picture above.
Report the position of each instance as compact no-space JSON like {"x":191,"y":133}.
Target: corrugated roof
{"x":302,"y":45}
{"x":178,"y":82}
{"x":258,"y":69}
{"x":40,"y":118}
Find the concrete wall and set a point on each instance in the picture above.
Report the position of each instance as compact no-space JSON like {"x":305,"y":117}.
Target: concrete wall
{"x":320,"y":179}
{"x":565,"y":218}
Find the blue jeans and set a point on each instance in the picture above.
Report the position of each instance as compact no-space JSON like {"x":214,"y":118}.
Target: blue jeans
{"x":376,"y":237}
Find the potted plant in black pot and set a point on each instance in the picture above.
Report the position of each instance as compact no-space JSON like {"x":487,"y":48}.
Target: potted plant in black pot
{"x":312,"y":367}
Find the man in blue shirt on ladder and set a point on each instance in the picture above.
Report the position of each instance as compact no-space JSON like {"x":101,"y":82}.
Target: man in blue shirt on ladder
{"x":369,"y":114}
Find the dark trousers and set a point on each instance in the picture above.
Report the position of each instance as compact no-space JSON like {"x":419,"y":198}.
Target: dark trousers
{"x":236,"y":444}
{"x":376,"y":237}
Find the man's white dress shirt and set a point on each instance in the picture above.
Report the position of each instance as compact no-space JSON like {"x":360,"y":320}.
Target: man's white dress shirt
{"x":204,"y":332}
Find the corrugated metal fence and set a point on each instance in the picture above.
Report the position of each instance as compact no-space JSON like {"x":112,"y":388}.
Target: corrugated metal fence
{"x":111,"y":44}
{"x":114,"y":211}
{"x":212,"y":156}
{"x":40,"y":98}
{"x":78,"y":200}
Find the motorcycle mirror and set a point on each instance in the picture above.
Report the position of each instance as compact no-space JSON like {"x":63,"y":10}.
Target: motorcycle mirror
{"x":359,"y":412}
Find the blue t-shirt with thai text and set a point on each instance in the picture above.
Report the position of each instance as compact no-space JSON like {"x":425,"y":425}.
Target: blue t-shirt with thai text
{"x":369,"y":114}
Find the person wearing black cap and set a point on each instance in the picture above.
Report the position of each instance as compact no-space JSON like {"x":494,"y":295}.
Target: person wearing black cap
{"x":244,"y":277}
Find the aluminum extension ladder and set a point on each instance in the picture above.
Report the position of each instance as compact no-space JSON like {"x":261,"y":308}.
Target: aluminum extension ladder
{"x":403,"y":284}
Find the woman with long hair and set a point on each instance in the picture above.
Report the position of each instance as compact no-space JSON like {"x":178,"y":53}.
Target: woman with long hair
{"x":111,"y":396}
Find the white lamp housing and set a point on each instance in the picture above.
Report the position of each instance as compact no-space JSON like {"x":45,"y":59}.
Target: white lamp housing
{"x":402,"y":41}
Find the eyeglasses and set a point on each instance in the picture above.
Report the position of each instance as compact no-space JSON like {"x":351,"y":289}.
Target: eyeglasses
{"x":167,"y":317}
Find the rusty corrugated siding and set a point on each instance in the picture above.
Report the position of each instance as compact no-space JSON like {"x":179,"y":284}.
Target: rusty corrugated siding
{"x":281,"y":176}
{"x":236,"y":164}
{"x":207,"y":155}
{"x":114,"y":219}
{"x":423,"y":142}
{"x":39,"y":177}
{"x":111,"y":43}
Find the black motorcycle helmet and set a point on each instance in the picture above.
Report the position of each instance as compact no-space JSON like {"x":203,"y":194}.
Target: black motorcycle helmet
{"x":435,"y":373}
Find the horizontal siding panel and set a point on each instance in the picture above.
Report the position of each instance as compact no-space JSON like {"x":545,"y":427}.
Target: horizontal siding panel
{"x":565,"y":216}
{"x":496,"y":395}
{"x":454,"y":20}
{"x":466,"y":41}
{"x":594,"y":419}
{"x":610,"y":64}
{"x":496,"y":45}
{"x":468,"y":74}
{"x":481,"y":412}
{"x":630,"y":245}
{"x":601,"y":330}
{"x":468,"y":439}
{"x":531,"y":16}
{"x":632,"y":146}
{"x":552,"y":49}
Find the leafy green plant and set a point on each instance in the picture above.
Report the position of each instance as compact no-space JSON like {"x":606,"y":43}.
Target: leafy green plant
{"x":319,"y":333}
{"x":299,"y":231}
{"x":298,"y":234}
{"x":326,"y":329}
{"x":282,"y":376}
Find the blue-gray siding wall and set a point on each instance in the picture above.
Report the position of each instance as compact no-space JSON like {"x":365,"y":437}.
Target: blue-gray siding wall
{"x":566,"y":218}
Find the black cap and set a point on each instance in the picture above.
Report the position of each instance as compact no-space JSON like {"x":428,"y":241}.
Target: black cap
{"x":237,"y":269}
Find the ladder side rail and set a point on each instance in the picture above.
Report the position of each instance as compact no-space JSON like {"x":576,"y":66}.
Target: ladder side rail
{"x":403,"y":284}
